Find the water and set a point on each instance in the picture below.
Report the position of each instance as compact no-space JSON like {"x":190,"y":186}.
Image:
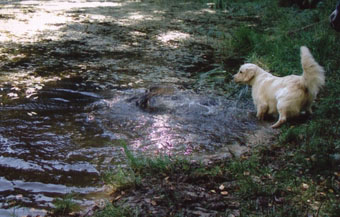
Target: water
{"x":41,"y":148}
{"x":77,"y":78}
{"x":174,"y":122}
{"x":60,"y":142}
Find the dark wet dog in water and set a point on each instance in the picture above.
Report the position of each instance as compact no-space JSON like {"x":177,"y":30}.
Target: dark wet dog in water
{"x":335,"y":18}
{"x":145,"y":100}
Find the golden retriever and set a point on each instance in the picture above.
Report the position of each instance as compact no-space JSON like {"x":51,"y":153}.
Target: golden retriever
{"x":286,"y":96}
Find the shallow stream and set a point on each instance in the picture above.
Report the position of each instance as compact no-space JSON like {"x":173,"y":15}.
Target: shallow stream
{"x":78,"y":78}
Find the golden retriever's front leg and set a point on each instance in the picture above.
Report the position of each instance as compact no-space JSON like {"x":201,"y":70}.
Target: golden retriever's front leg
{"x":261,"y":111}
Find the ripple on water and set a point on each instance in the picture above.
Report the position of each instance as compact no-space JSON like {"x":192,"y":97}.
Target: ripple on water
{"x":177,"y":122}
{"x":36,"y":164}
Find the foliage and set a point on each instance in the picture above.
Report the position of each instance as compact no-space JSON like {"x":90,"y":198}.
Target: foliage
{"x":65,"y":205}
{"x":141,"y":167}
{"x":111,"y":210}
{"x":121,"y":178}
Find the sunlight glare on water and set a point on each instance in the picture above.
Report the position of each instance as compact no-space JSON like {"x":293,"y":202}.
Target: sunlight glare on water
{"x":47,"y":16}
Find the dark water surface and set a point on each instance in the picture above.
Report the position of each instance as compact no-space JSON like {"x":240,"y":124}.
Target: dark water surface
{"x":60,"y":142}
{"x":42,"y":148}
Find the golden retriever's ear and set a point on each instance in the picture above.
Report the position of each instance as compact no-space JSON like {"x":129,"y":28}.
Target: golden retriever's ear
{"x":250,"y":73}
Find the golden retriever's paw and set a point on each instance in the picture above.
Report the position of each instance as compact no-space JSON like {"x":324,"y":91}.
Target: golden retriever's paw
{"x":278,"y":123}
{"x":260,"y":116}
{"x":309,"y":111}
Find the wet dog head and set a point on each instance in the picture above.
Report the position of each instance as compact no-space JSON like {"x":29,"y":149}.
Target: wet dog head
{"x":334,"y":18}
{"x":246,"y":73}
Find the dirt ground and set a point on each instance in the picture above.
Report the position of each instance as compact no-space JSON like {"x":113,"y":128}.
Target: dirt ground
{"x":113,"y":44}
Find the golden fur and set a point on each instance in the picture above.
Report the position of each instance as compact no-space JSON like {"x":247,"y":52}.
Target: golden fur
{"x":286,"y":96}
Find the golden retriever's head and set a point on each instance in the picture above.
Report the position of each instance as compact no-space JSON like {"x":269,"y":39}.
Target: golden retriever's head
{"x":246,"y":73}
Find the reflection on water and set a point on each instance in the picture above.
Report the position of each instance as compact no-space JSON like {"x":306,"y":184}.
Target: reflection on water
{"x":180,"y":122}
{"x":45,"y":146}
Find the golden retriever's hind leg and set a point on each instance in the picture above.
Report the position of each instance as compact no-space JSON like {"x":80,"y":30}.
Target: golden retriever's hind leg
{"x":309,"y":110}
{"x":282,"y":120}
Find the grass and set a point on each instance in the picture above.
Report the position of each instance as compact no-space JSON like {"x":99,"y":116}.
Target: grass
{"x":111,"y":210}
{"x":141,"y":167}
{"x":270,"y":181}
{"x":126,"y":177}
{"x":299,"y":174}
{"x":65,"y":205}
{"x":304,"y":164}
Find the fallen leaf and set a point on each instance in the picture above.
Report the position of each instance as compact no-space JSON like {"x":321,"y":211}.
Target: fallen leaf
{"x":117,"y":198}
{"x":31,"y":113}
{"x":224,"y":193}
{"x":244,"y":157}
{"x":304,"y":186}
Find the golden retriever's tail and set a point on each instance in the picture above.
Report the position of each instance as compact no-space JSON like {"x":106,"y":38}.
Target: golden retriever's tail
{"x":313,"y":73}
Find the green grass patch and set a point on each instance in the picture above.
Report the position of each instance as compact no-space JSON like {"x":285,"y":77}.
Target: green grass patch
{"x":111,"y":210}
{"x":64,"y":206}
{"x":139,"y":167}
